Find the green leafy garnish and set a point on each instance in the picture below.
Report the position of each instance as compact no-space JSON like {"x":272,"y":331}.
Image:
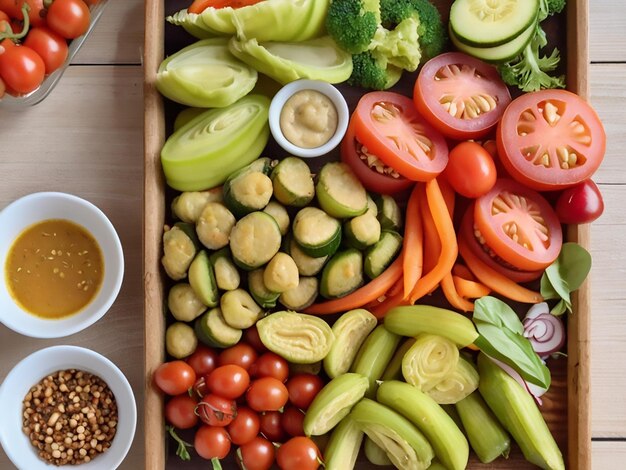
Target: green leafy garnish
{"x":565,"y":275}
{"x":502,"y":337}
{"x":182,"y":451}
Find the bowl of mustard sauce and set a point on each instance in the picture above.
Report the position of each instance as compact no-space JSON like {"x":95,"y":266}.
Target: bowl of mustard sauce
{"x":308,"y":118}
{"x":62,"y":264}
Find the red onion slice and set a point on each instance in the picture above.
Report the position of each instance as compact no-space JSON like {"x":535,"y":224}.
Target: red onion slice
{"x":545,"y":332}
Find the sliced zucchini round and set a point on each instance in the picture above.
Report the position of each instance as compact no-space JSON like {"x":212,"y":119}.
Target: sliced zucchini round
{"x":247,"y":193}
{"x":180,"y":340}
{"x":212,"y":330}
{"x":214,"y":225}
{"x":281,"y":273}
{"x":339,"y":192}
{"x":293,"y":182}
{"x":259,"y":291}
{"x":379,"y":257}
{"x":317,"y":233}
{"x":179,"y":251}
{"x":342,"y":274}
{"x":362,"y":231}
{"x":307,"y":265}
{"x":302,"y":296}
{"x":226,"y":273}
{"x":389,"y":213}
{"x":187,"y":206}
{"x":280,"y":215}
{"x":254,"y":240}
{"x":183,"y":303}
{"x":202,"y":279}
{"x":372,"y":208}
{"x":239,"y":309}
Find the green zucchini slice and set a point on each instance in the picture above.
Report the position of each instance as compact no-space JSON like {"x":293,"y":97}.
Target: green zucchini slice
{"x":317,"y":233}
{"x":293,"y":182}
{"x":339,"y":192}
{"x":202,"y":279}
{"x":212,"y":330}
{"x":239,"y":309}
{"x":302,"y":296}
{"x":259,"y":291}
{"x":362,"y":231}
{"x":342,"y":274}
{"x":254,"y":240}
{"x":307,"y":265}
{"x":389,"y":213}
{"x":280,"y":214}
{"x":379,"y":257}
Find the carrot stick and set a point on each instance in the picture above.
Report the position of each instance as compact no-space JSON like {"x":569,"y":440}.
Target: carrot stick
{"x":470,"y":289}
{"x":448,"y":194}
{"x":496,"y":281}
{"x":369,"y":292}
{"x":381,"y":310}
{"x":462,"y":271}
{"x":457,"y":301}
{"x":432,"y":244}
{"x":413,"y":243}
{"x":396,"y":288}
{"x":447,"y":236}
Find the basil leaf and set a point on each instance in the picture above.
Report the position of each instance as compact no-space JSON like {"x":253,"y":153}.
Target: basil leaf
{"x":491,"y":310}
{"x":556,"y":280}
{"x":514,"y":350}
{"x":561,"y":307}
{"x":575,"y":265}
{"x":547,"y":291}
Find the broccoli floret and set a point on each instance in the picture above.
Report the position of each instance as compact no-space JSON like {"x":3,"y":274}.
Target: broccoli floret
{"x":431,"y":30}
{"x":372,"y":71}
{"x":550,"y":7}
{"x":400,"y":45}
{"x":528,"y":71}
{"x":353,"y":23}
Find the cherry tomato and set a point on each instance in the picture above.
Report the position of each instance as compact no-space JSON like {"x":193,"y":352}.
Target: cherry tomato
{"x":251,"y":336}
{"x":180,"y":412}
{"x":198,"y":6}
{"x":460,"y":96}
{"x":203,"y":360}
{"x":298,"y":453}
{"x":245,"y":426}
{"x":241,"y":354}
{"x":580,"y":204}
{"x":49,"y":45}
{"x":5,"y":22}
{"x":550,"y":139}
{"x":271,"y":427}
{"x":69,"y":18}
{"x":267,"y":394}
{"x":211,"y":442}
{"x":216,"y":411}
{"x":36,"y":10}
{"x":303,"y":388}
{"x":389,"y":125}
{"x":291,"y":421}
{"x":175,"y":377}
{"x":258,"y":454}
{"x":229,"y":381}
{"x":519,"y":225}
{"x":21,"y":68}
{"x":470,"y":171}
{"x":270,"y":364}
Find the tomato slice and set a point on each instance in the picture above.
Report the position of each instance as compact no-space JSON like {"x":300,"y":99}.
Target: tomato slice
{"x":550,"y":139}
{"x":519,"y":225}
{"x":462,"y":97}
{"x":389,"y":125}
{"x":480,"y":248}
{"x":371,"y":171}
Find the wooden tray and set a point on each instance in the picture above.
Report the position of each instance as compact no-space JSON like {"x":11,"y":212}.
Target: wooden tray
{"x":566,"y":406}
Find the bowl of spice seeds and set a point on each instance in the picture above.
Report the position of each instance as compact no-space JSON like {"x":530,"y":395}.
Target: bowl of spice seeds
{"x":65,"y":406}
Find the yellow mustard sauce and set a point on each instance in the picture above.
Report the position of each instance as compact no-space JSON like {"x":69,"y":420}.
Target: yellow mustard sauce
{"x":308,"y":119}
{"x":54,"y":269}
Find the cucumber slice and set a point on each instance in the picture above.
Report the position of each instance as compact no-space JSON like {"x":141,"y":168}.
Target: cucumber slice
{"x":212,"y":330}
{"x":293,"y":183}
{"x":379,"y":257}
{"x":343,"y":274}
{"x":280,"y":215}
{"x":339,"y":192}
{"x":202,"y":279}
{"x":307,"y":265}
{"x":302,"y":296}
{"x":254,"y":240}
{"x":484,"y":23}
{"x":239,"y":309}
{"x":389,"y":213}
{"x":497,"y":54}
{"x":317,"y":233}
{"x":362,"y":231}
{"x":259,"y":291}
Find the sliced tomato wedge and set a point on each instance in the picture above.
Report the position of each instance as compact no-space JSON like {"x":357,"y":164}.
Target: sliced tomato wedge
{"x":371,"y":171}
{"x":479,"y":247}
{"x":461,"y":96}
{"x":519,"y":225}
{"x":550,"y":139}
{"x":389,"y":125}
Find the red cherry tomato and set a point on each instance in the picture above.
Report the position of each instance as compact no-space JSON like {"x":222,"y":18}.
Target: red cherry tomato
{"x":271,"y":427}
{"x":258,"y":454}
{"x":175,"y":377}
{"x":298,"y":453}
{"x":460,"y":96}
{"x":580,"y":204}
{"x":470,"y":171}
{"x":291,"y":421}
{"x":211,"y":442}
{"x":49,"y":45}
{"x":21,"y":68}
{"x":550,"y":139}
{"x":229,"y":381}
{"x":241,"y":354}
{"x":303,"y":388}
{"x":203,"y":360}
{"x":180,"y":412}
{"x":245,"y":426}
{"x":270,"y":364}
{"x":69,"y":18}
{"x":216,"y":411}
{"x":251,"y":336}
{"x":36,"y":10}
{"x":267,"y":394}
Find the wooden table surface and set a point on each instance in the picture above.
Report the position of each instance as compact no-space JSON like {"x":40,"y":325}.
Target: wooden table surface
{"x":86,"y":138}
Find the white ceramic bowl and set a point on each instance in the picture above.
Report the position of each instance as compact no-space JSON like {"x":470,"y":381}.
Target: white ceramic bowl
{"x":286,"y":92}
{"x":28,"y":210}
{"x":30,"y":371}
